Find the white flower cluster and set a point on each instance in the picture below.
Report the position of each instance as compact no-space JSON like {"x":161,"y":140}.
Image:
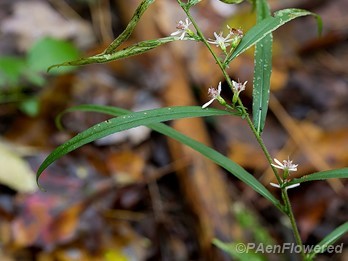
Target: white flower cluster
{"x":182,"y":29}
{"x":214,"y":94}
{"x":287,"y":166}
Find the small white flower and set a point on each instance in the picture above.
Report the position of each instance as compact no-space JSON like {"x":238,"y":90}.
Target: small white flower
{"x":288,"y":187}
{"x":238,"y":86}
{"x":214,"y":94}
{"x":286,"y":165}
{"x":221,"y":41}
{"x":183,"y":28}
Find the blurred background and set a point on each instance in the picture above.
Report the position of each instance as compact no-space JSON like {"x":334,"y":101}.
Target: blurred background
{"x":137,"y":195}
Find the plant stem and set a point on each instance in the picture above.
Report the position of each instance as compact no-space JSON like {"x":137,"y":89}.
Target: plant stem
{"x":287,"y":209}
{"x":229,"y":82}
{"x":291,"y":216}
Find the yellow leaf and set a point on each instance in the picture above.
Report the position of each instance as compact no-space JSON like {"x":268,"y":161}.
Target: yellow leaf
{"x":15,"y":172}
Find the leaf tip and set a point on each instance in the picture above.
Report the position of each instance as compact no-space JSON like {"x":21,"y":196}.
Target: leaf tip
{"x":53,"y":66}
{"x":39,"y":185}
{"x":319,"y":24}
{"x":38,"y":174}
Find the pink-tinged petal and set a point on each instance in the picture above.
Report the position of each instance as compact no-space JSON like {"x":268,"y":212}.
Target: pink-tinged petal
{"x":214,"y":94}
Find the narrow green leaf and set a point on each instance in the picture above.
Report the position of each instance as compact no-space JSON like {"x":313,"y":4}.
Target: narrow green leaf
{"x":128,"y":121}
{"x":322,"y":175}
{"x":262,"y":70}
{"x":330,"y":239}
{"x":221,"y":160}
{"x":232,"y":1}
{"x":130,"y":27}
{"x":135,"y":49}
{"x":208,"y":152}
{"x":262,"y":10}
{"x":268,"y":25}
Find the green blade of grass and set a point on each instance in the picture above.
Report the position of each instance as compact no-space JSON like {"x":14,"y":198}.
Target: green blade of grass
{"x":126,"y":122}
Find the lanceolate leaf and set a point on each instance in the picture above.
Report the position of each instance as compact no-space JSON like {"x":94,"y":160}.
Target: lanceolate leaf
{"x":135,"y":49}
{"x":128,"y":121}
{"x":329,"y":240}
{"x":208,"y":152}
{"x":322,"y":175}
{"x":110,"y":53}
{"x":262,"y":70}
{"x":130,"y":27}
{"x":268,"y":25}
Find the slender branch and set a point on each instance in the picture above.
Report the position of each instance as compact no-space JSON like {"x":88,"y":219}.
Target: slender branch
{"x":287,"y":205}
{"x":291,"y":216}
{"x":229,"y":82}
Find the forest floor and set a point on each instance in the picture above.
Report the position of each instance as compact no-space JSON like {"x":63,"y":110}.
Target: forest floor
{"x":138,"y":195}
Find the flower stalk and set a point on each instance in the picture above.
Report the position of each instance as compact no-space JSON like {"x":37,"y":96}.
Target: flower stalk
{"x":286,"y":208}
{"x":230,"y":84}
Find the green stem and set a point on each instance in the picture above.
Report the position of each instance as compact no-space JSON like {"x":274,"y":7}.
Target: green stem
{"x":291,"y":216}
{"x":229,"y":82}
{"x":287,"y":209}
